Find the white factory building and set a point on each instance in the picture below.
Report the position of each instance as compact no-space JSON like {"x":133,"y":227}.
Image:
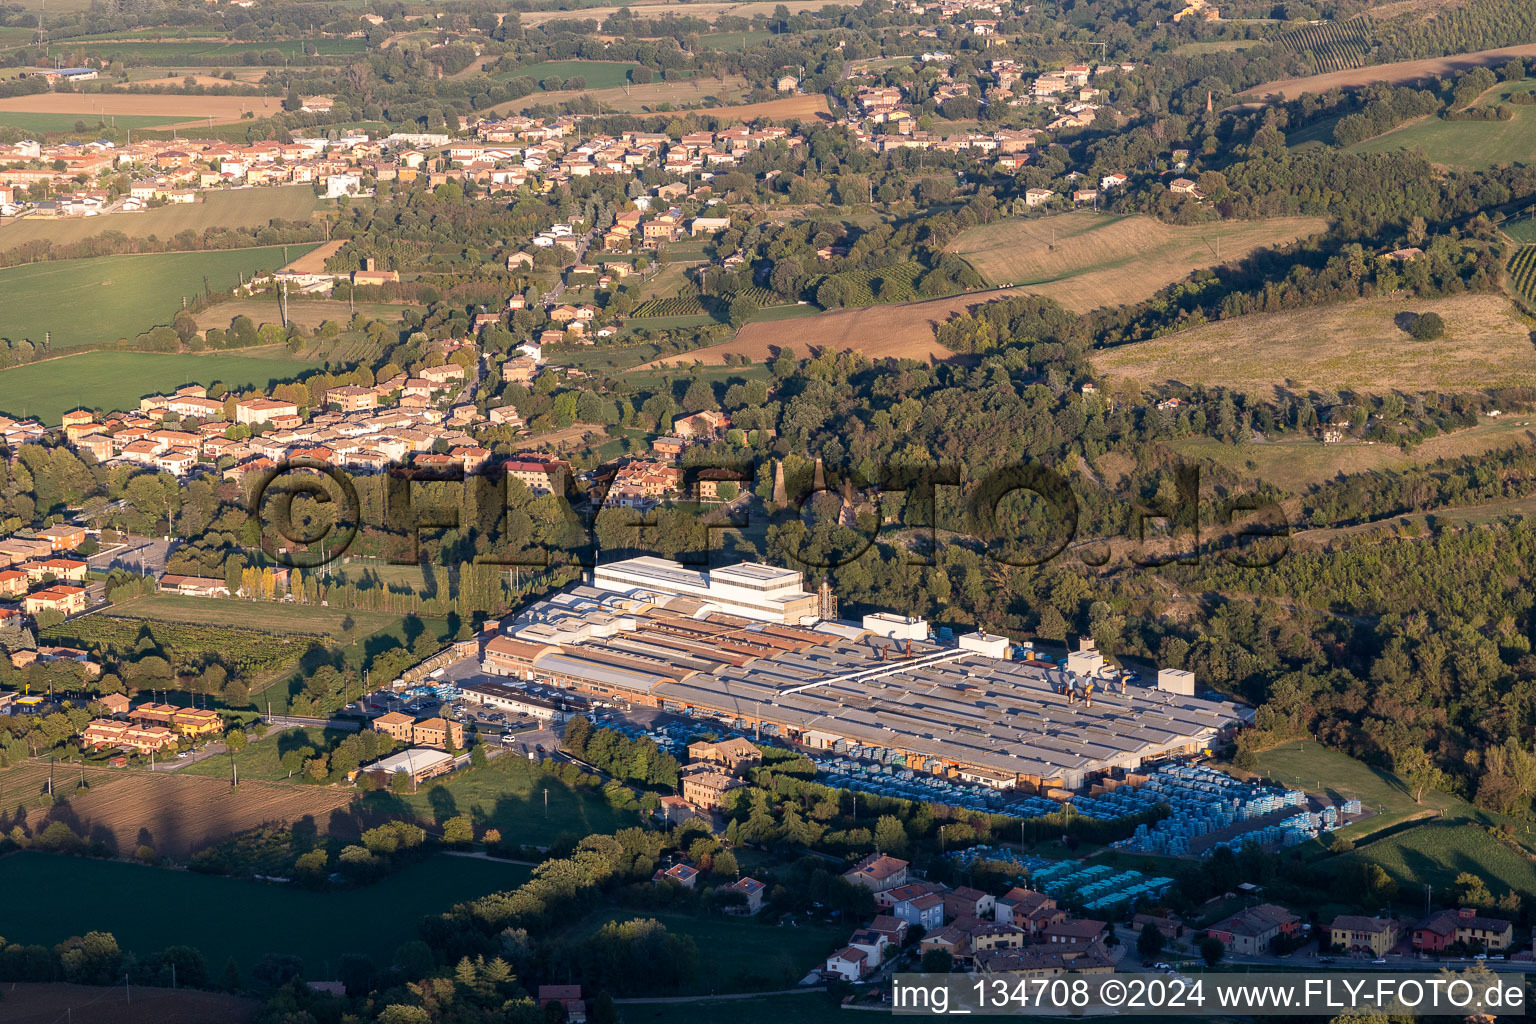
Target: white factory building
{"x":749,"y":589}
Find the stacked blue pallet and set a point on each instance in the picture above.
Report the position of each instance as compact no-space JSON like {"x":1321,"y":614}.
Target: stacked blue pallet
{"x":1202,"y":801}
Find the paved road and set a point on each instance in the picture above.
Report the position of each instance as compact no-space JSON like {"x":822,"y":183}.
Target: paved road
{"x":553,"y":295}
{"x":145,"y":555}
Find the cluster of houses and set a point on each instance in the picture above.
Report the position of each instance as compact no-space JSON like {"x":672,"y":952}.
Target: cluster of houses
{"x":1021,"y":932}
{"x":38,"y":574}
{"x":642,"y":483}
{"x":352,"y":429}
{"x":880,"y":118}
{"x":147,"y":728}
{"x":503,"y":156}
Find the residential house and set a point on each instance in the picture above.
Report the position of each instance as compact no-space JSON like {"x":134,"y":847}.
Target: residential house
{"x":849,"y":964}
{"x":1360,"y":935}
{"x":440,"y":733}
{"x":396,"y":725}
{"x":752,"y":889}
{"x":63,"y":599}
{"x":708,"y":790}
{"x":878,"y":872}
{"x":1463,"y":925}
{"x":1073,"y":932}
{"x":1251,"y":931}
{"x":736,"y":755}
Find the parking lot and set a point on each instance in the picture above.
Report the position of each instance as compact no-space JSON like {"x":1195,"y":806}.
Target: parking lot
{"x":518,"y":732}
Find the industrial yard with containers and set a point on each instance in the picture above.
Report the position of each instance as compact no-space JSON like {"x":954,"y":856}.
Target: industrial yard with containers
{"x":884,"y":703}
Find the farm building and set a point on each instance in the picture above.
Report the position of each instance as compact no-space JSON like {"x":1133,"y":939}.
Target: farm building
{"x":417,"y":763}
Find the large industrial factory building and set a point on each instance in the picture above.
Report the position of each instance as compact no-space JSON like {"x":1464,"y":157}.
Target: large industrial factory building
{"x":746,"y":644}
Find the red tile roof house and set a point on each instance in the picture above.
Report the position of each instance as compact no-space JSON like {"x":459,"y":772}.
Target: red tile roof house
{"x":753,"y":890}
{"x":878,"y":872}
{"x":683,"y":874}
{"x":849,"y":963}
{"x":1030,"y":910}
{"x":966,"y":901}
{"x":1447,"y":927}
{"x":566,"y":996}
{"x":893,"y":928}
{"x":1251,"y":931}
{"x":1073,"y":933}
{"x":873,"y":943}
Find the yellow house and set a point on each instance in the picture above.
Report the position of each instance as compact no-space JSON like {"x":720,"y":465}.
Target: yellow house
{"x":1353,"y":934}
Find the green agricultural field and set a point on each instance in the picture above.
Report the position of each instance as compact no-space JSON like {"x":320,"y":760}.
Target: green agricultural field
{"x":736,"y":40}
{"x":742,"y":954}
{"x":1478,"y":145}
{"x":234,"y":208}
{"x":600,"y":74}
{"x":46,"y":124}
{"x":1435,"y":852}
{"x":228,"y":917}
{"x":1216,"y":46}
{"x":1522,"y":230}
{"x":508,"y":794}
{"x":268,"y":616}
{"x":117,"y":380}
{"x":159,"y":52}
{"x":97,"y":301}
{"x":1310,"y":766}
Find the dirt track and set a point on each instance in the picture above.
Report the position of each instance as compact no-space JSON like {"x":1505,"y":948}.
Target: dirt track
{"x":1404,"y":71}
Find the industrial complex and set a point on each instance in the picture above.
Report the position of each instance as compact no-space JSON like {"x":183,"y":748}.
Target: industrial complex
{"x":748,"y":645}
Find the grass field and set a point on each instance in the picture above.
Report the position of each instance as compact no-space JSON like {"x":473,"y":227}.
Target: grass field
{"x":899,"y":330}
{"x":735,"y":40}
{"x":233,"y":208}
{"x":1216,"y":46}
{"x":1397,"y":74}
{"x":1086,"y":260}
{"x":160,"y":51}
{"x":227,"y":917}
{"x":117,"y":380}
{"x":1350,"y":345}
{"x":99,"y":300}
{"x":1295,"y":465}
{"x":638,"y":98}
{"x":507,"y":794}
{"x":1310,"y":766}
{"x":599,"y":74}
{"x":1435,"y":852}
{"x":45,"y":123}
{"x":270,"y":616}
{"x":1479,"y":145}
{"x":262,"y":758}
{"x":743,"y":954}
{"x":1522,"y":230}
